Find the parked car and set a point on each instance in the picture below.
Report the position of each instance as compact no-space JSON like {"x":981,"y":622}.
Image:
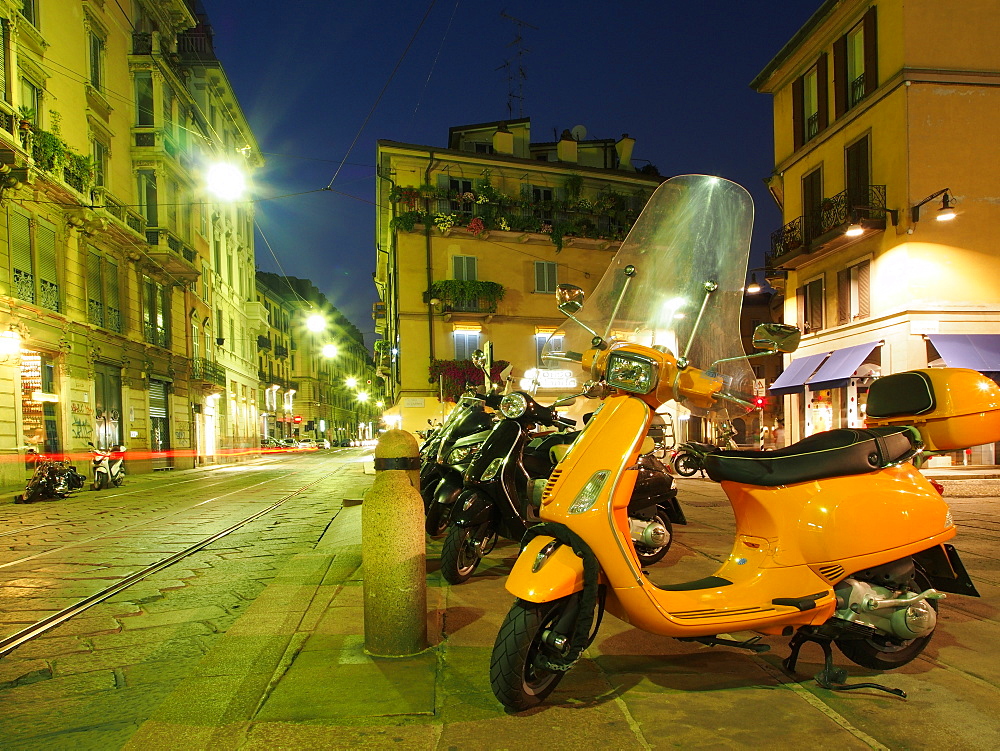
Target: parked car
{"x":270,"y":443}
{"x":307,"y":443}
{"x":289,"y":443}
{"x":322,"y":443}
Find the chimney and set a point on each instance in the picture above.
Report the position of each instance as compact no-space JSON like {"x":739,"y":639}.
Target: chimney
{"x":566,"y":149}
{"x":624,"y":148}
{"x":503,"y":141}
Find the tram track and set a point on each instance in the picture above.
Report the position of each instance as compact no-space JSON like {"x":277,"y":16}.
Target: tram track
{"x":9,"y":643}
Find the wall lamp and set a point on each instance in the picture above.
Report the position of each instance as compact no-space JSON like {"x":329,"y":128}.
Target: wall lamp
{"x":754,"y":287}
{"x":855,"y":228}
{"x":945,"y":213}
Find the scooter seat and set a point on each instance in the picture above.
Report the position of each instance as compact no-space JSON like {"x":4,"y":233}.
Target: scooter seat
{"x":844,"y":451}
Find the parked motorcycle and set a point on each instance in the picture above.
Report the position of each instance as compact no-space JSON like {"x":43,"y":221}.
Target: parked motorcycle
{"x":51,"y":479}
{"x":506,"y":478}
{"x":108,"y":465}
{"x":688,"y":459}
{"x":839,"y":539}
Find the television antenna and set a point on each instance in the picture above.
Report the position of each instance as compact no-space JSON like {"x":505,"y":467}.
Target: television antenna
{"x":516,"y":73}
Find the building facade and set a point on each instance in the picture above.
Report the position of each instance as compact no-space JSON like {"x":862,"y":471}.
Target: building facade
{"x":884,"y":117}
{"x":473,"y":239}
{"x":317,"y":378}
{"x":110,"y":282}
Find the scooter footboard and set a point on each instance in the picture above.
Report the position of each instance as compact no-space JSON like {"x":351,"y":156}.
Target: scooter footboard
{"x":545,"y":570}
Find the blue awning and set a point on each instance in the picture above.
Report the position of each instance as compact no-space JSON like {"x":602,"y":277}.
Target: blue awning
{"x":977,"y":351}
{"x":796,"y":374}
{"x":838,"y":369}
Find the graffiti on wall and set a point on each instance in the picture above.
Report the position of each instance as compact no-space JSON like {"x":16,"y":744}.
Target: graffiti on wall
{"x":83,"y":427}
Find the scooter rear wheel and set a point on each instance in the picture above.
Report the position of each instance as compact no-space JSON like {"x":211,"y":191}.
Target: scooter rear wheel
{"x":884,"y":652}
{"x":518,"y":682}
{"x":686,"y":465}
{"x":648,"y":556}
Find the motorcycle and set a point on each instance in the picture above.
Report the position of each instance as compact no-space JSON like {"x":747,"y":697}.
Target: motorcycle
{"x":452,"y":446}
{"x":663,"y":326}
{"x":505,"y":479}
{"x":51,"y":479}
{"x":109,"y":466}
{"x":688,"y":459}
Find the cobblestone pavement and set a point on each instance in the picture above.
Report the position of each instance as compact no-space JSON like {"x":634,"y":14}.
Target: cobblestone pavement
{"x":91,"y":681}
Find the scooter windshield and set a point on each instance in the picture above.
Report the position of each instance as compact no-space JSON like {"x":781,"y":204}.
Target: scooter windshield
{"x":676,"y":282}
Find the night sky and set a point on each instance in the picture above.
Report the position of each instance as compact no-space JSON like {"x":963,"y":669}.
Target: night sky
{"x":309,"y":72}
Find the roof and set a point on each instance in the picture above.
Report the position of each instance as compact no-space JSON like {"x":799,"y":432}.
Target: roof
{"x":795,"y":42}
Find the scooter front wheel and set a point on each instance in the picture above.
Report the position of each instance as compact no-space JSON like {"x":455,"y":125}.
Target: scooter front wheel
{"x":437,"y":519}
{"x":518,"y":681}
{"x":460,"y":554}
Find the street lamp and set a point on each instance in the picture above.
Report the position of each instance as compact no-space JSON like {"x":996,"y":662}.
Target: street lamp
{"x":351,"y":382}
{"x":330,"y":350}
{"x":316,"y":322}
{"x":226,"y":181}
{"x":945,"y":213}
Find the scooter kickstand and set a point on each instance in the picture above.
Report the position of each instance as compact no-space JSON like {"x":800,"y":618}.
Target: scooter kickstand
{"x":830,"y":677}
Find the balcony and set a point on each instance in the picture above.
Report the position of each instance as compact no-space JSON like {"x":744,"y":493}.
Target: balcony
{"x":821,"y":231}
{"x":131,"y":224}
{"x":280,"y":351}
{"x":263,"y":343}
{"x":256,"y":315}
{"x":475,"y":297}
{"x":207,"y":373}
{"x":171,"y":254}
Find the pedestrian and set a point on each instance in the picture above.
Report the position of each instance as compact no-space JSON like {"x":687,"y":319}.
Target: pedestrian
{"x":778,"y":434}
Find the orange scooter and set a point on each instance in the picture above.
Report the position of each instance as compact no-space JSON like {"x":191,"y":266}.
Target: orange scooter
{"x":839,"y":539}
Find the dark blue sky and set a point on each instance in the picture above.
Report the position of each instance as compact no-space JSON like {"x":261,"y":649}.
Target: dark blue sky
{"x":673,"y":76}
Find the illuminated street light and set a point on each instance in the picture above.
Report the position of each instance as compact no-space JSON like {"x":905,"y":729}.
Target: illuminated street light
{"x":362,"y":396}
{"x":226,"y":181}
{"x":330,"y":350}
{"x":351,"y":382}
{"x":316,"y":322}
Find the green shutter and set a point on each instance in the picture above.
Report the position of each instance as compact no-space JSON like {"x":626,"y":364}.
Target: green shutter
{"x":3,"y":57}
{"x":94,"y":290}
{"x":45,"y":236}
{"x":111,"y":288}
{"x":20,"y":241}
{"x":864,"y":294}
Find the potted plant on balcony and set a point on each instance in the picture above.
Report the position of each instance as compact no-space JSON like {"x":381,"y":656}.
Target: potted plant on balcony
{"x":26,"y":116}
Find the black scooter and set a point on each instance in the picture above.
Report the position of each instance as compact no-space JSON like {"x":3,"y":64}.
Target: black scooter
{"x":506,"y":477}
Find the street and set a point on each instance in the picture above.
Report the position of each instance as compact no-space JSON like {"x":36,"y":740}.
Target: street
{"x":256,"y":641}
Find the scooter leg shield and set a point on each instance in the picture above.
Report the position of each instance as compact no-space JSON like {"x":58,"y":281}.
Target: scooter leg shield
{"x":545,"y":570}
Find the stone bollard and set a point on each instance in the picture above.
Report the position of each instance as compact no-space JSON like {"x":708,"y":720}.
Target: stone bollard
{"x":392,"y":550}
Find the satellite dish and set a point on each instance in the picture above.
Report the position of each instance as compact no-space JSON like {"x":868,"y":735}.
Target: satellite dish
{"x":578,"y":132}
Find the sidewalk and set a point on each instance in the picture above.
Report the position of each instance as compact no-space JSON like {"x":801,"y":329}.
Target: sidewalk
{"x":292,"y":673}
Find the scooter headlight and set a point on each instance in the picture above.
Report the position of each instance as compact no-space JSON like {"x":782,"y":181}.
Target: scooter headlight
{"x":631,"y":372}
{"x":587,"y":497}
{"x":460,"y":454}
{"x":513,"y":405}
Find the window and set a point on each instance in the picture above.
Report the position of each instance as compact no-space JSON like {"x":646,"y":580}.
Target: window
{"x":96,"y":49}
{"x":855,"y":59}
{"x":168,"y":111}
{"x":205,"y":281}
{"x":466,"y":342}
{"x":809,"y":103}
{"x":4,"y":42}
{"x":144,"y":98}
{"x":99,"y":153}
{"x":541,"y":199}
{"x":29,"y":11}
{"x":103,"y":292}
{"x":33,"y":257}
{"x":810,"y":306}
{"x":461,"y":190}
{"x":545,"y":276}
{"x":156,"y":312}
{"x":31,"y":101}
{"x":196,"y":339}
{"x":853,"y":293}
{"x":464,"y":268}
{"x":147,"y":197}
{"x":555,"y":345}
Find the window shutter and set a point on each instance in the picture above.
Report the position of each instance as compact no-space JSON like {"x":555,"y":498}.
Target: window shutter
{"x":20,"y":240}
{"x":800,"y":309}
{"x":45,"y":234}
{"x":111,"y":288}
{"x":3,"y":57}
{"x":816,"y":305}
{"x":822,"y":92}
{"x":539,"y":276}
{"x":798,"y":115}
{"x":840,"y":83}
{"x":871,"y":52}
{"x":864,"y":295}
{"x":94,"y":291}
{"x":844,"y":296}
{"x":444,"y":185}
{"x":157,"y":399}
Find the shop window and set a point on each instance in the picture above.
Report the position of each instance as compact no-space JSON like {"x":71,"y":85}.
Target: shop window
{"x":39,"y":402}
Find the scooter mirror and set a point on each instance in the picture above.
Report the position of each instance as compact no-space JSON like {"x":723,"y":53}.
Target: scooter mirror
{"x":569,"y":298}
{"x":776,"y":337}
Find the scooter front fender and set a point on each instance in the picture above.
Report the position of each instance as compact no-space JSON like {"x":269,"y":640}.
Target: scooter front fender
{"x":545,"y":571}
{"x":471,"y":509}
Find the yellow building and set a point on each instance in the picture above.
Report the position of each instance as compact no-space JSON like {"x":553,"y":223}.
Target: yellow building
{"x":472,"y":240}
{"x":884,"y":120}
{"x":108,"y":287}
